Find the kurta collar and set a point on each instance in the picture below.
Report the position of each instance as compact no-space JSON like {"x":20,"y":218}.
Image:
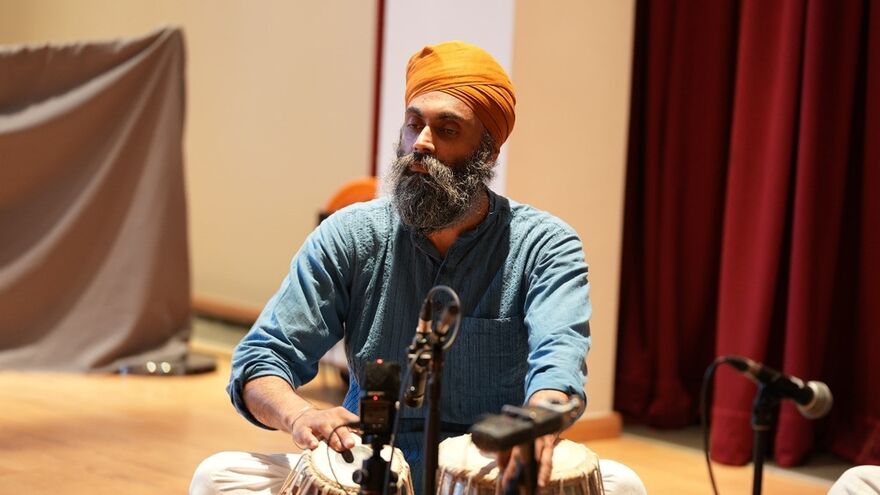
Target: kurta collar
{"x":498,"y":216}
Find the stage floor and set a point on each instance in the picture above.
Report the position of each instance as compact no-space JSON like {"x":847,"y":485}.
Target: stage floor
{"x":73,"y":434}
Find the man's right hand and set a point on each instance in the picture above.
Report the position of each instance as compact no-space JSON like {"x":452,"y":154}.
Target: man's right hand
{"x":275,"y":404}
{"x":313,"y":425}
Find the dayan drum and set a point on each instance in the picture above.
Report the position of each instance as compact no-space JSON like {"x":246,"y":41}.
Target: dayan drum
{"x":323,"y":471}
{"x":465,"y":470}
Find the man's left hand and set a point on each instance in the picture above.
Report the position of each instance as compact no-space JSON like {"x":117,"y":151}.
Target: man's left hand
{"x":543,"y":446}
{"x":543,"y":455}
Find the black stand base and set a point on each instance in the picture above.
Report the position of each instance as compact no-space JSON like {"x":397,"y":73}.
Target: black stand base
{"x":371,"y":477}
{"x":525,"y":481}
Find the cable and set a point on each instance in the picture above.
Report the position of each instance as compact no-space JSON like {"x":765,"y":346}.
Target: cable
{"x":329,"y":462}
{"x":403,"y":386}
{"x":704,"y":414}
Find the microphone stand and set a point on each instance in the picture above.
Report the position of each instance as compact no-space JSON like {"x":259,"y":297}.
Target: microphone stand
{"x":432,"y":419}
{"x":525,"y":481}
{"x":371,"y":476}
{"x":763,"y":409}
{"x":529,"y":480}
{"x":434,"y":343}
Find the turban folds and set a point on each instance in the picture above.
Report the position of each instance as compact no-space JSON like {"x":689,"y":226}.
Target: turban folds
{"x":470,"y":74}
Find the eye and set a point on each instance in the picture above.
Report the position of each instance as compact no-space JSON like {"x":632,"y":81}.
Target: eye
{"x":413,"y":126}
{"x":446,"y":131}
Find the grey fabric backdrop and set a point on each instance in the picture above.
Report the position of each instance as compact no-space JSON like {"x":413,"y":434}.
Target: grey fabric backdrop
{"x":94,"y":267}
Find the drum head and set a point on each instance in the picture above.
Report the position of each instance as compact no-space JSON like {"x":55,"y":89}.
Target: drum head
{"x":334,"y":469}
{"x":459,"y":454}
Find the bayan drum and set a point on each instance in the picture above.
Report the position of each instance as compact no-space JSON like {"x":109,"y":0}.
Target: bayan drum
{"x":323,"y":471}
{"x":465,"y":470}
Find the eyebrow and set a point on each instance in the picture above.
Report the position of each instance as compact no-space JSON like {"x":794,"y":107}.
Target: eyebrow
{"x":442,"y":115}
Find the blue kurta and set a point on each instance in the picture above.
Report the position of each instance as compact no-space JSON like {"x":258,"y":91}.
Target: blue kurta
{"x":362,"y":275}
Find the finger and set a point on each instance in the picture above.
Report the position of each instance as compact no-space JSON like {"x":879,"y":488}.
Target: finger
{"x":341,"y":439}
{"x":342,"y":415}
{"x":502,"y":459}
{"x":324,"y":430}
{"x":301,"y":430}
{"x":347,"y":438}
{"x":337,"y":436}
{"x":545,"y":461}
{"x":329,"y":428}
{"x":346,"y":435}
{"x":305,"y":439}
{"x":511,"y":471}
{"x":346,"y":415}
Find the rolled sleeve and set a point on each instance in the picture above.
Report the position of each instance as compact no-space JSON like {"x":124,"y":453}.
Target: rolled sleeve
{"x":301,"y":321}
{"x":557,"y":317}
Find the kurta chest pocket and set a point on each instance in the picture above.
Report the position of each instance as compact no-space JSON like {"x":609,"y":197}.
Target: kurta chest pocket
{"x":487,"y":364}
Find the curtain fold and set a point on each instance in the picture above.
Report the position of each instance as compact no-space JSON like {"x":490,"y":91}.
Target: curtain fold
{"x":750,"y":226}
{"x":94,"y":267}
{"x":678,"y":142}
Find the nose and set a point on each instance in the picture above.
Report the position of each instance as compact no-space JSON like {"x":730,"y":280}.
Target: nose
{"x":424,"y":142}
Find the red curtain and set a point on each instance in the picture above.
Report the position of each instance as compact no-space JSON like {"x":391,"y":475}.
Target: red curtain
{"x":752,"y":222}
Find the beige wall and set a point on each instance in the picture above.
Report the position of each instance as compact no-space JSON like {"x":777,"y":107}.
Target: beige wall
{"x":280,"y":98}
{"x":571,"y":68}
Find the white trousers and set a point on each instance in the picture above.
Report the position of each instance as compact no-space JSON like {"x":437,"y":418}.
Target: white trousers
{"x":247,"y":473}
{"x":859,"y":480}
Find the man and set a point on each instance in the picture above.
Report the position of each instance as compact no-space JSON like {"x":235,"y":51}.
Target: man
{"x":362,"y":276}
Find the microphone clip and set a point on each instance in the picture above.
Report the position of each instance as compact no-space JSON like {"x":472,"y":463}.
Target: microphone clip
{"x":419,"y":357}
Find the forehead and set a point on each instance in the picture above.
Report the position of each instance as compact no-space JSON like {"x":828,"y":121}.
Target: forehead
{"x":437,"y":105}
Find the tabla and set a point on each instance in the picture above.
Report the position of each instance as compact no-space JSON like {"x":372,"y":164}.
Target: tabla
{"x":323,"y":471}
{"x":465,"y":470}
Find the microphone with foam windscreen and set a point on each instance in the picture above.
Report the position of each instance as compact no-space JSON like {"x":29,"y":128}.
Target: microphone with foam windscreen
{"x":813,"y":398}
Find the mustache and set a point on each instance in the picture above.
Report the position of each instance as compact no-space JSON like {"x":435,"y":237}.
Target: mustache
{"x":431,"y":164}
{"x":422,"y":157}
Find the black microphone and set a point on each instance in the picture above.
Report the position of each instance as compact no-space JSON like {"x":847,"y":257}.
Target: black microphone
{"x":519,"y":425}
{"x":813,"y":399}
{"x":447,"y":318}
{"x":419,"y":357}
{"x":424,"y":325}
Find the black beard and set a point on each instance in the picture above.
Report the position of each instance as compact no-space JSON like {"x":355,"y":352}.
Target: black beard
{"x":445,"y":194}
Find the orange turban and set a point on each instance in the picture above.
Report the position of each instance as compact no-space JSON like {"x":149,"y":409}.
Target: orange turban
{"x":470,"y":74}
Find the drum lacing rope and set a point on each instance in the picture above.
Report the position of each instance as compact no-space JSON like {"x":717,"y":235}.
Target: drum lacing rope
{"x":290,"y":481}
